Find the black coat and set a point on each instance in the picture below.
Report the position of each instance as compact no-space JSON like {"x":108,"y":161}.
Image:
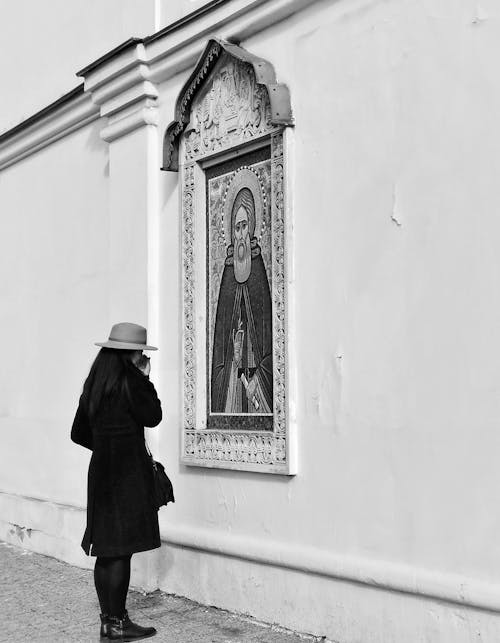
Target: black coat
{"x":121,"y":516}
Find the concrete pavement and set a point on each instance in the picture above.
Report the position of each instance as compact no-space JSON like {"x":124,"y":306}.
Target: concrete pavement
{"x":43,"y":599}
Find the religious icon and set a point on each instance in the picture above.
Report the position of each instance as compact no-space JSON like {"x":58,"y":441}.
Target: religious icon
{"x":242,"y":362}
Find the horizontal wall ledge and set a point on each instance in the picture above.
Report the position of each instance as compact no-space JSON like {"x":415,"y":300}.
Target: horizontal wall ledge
{"x":172,"y":52}
{"x":159,"y":57}
{"x":382,"y":574}
{"x":51,"y":125}
{"x":38,"y":116}
{"x":52,"y":517}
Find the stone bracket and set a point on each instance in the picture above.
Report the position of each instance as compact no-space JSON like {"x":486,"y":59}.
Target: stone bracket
{"x":125,"y":95}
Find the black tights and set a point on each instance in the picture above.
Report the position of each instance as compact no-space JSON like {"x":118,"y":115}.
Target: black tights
{"x":112,"y":577}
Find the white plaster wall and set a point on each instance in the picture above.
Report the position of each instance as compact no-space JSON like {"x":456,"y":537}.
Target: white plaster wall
{"x":395,"y":330}
{"x":54,"y":289}
{"x":169,"y":11}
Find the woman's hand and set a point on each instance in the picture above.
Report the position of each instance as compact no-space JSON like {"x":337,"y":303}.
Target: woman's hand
{"x":144,"y":365}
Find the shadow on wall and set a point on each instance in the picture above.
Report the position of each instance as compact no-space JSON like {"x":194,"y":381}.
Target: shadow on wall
{"x":96,"y":144}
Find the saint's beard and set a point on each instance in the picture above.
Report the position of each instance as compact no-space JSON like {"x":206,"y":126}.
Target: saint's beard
{"x":242,"y":259}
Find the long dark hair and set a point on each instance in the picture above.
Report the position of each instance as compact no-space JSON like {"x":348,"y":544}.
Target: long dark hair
{"x":107,"y":374}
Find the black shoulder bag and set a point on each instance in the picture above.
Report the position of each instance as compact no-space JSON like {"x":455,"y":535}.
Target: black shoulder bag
{"x":164,"y":491}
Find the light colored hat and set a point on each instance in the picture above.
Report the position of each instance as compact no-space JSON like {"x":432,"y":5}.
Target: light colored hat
{"x":127,"y":336}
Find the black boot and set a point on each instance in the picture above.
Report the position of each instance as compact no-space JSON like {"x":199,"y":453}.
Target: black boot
{"x":122,"y":629}
{"x":104,"y":625}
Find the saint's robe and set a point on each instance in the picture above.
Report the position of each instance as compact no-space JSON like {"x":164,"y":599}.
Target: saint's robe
{"x":245,"y":306}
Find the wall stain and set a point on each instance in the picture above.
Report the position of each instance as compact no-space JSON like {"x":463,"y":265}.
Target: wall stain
{"x":394,"y":210}
{"x":480,"y":15}
{"x":328,"y":399}
{"x":20,"y":532}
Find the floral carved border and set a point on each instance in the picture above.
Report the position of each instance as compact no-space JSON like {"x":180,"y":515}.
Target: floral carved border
{"x":188,"y":297}
{"x":279,"y":301}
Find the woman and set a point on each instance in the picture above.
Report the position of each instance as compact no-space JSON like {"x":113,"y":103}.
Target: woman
{"x":117,"y":402}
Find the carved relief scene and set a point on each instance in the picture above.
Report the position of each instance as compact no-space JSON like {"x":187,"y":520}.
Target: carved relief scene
{"x":231,"y":108}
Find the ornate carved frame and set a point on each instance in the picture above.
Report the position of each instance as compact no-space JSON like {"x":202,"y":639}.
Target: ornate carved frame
{"x":186,"y":148}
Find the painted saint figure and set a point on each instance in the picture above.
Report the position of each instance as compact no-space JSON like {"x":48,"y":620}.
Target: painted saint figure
{"x":242,"y":367}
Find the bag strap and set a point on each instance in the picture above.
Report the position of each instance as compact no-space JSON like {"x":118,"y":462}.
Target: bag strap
{"x":147,"y":449}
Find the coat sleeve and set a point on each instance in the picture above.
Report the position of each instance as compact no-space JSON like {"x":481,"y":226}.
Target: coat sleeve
{"x":145,"y":405}
{"x":81,"y":432}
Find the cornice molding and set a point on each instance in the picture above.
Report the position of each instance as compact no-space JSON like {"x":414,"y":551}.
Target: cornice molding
{"x":46,"y":111}
{"x":143,"y":64}
{"x":125,"y":95}
{"x":51,"y":125}
{"x":234,"y":22}
{"x":108,"y":56}
{"x":128,"y":75}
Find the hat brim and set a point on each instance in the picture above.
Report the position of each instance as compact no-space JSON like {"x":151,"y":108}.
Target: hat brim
{"x":126,"y":346}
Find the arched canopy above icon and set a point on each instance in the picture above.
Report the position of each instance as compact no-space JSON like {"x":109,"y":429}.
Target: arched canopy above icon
{"x":232,"y":106}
